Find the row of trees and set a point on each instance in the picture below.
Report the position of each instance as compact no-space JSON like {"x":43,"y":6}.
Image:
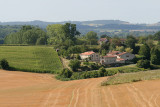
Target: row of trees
{"x":60,"y":35}
{"x":27,"y":35}
{"x":149,"y":56}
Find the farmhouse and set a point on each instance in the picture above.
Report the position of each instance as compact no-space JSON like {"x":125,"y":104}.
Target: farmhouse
{"x":126,"y":56}
{"x":92,"y":56}
{"x":108,"y":59}
{"x":116,"y":57}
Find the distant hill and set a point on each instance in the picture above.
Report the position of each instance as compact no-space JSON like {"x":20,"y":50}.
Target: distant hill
{"x":44,"y":24}
{"x":109,"y":27}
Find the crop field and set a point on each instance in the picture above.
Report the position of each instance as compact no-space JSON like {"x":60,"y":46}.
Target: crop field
{"x":23,"y":89}
{"x":132,"y":77}
{"x":31,"y":58}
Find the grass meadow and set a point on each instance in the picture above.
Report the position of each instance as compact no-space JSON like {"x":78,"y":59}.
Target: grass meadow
{"x":39,"y":59}
{"x":132,"y":77}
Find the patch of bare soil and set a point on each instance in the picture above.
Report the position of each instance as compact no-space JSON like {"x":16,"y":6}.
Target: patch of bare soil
{"x":21,"y":89}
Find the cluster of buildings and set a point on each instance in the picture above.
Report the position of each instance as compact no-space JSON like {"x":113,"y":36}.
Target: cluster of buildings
{"x":110,"y":58}
{"x":105,"y":40}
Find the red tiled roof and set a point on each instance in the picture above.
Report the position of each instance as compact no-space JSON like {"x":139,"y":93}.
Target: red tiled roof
{"x":102,"y":39}
{"x":110,"y":56}
{"x":122,"y":53}
{"x":87,"y":53}
{"x":120,"y":59}
{"x":113,"y":52}
{"x":122,"y":40}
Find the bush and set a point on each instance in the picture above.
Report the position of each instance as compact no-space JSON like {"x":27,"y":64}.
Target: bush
{"x":4,"y":64}
{"x":143,"y":64}
{"x":101,"y":72}
{"x":94,"y":66}
{"x":66,"y":73}
{"x":75,"y":64}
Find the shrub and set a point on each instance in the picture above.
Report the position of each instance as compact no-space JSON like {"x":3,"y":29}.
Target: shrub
{"x":66,"y":73}
{"x":101,"y":72}
{"x":4,"y":64}
{"x":85,"y":68}
{"x":94,"y":66}
{"x":143,"y":64}
{"x":75,"y":64}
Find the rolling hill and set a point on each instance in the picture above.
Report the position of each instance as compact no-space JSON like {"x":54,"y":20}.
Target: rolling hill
{"x":109,"y":27}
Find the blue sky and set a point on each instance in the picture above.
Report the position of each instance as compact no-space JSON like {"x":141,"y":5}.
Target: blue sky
{"x":134,"y":11}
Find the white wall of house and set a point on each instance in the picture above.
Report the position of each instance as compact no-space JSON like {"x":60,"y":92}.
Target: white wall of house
{"x":93,"y":57}
{"x":84,"y":56}
{"x":127,"y":56}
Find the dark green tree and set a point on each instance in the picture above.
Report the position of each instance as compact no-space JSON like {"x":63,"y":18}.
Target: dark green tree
{"x":143,"y":64}
{"x":101,"y":71}
{"x":74,"y":64}
{"x":66,"y":73}
{"x":130,"y":42}
{"x":4,"y":64}
{"x":145,"y":51}
{"x":155,"y":56}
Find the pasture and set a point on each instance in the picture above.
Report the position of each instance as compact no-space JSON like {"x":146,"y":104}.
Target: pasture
{"x":132,"y":77}
{"x":31,"y":58}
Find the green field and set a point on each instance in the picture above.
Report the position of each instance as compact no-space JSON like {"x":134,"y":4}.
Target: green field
{"x":132,"y":77}
{"x":32,"y":58}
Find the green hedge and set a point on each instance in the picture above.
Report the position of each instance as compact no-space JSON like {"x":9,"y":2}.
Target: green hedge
{"x":100,"y":73}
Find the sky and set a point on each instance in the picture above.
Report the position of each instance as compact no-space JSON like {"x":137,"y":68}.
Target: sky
{"x":134,"y":11}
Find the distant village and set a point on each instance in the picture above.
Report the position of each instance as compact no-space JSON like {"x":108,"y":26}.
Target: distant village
{"x":110,"y":58}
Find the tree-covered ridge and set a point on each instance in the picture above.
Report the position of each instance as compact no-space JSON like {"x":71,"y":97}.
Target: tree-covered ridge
{"x":109,"y":27}
{"x":27,"y":35}
{"x":6,"y":29}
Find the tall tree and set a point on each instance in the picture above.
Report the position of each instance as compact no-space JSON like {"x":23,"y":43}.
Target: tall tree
{"x":92,"y":37}
{"x":155,"y":56}
{"x":61,"y":34}
{"x":130,"y":42}
{"x":145,"y":51}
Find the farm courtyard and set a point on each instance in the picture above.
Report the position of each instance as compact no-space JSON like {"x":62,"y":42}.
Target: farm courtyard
{"x":22,"y":89}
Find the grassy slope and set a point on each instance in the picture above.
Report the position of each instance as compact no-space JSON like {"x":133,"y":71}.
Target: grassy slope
{"x":132,"y":77}
{"x":31,"y":58}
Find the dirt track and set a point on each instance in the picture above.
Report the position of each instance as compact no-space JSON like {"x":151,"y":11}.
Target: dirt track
{"x":20,"y":89}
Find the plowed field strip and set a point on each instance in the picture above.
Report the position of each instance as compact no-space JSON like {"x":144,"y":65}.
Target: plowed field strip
{"x":20,"y":89}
